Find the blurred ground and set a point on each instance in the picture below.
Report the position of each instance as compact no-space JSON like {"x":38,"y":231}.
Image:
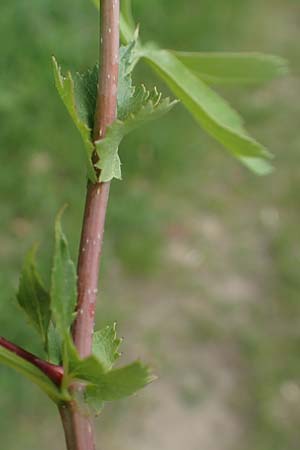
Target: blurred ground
{"x":201,"y":266}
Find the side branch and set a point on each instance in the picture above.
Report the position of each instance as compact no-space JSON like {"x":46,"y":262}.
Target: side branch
{"x":53,"y":371}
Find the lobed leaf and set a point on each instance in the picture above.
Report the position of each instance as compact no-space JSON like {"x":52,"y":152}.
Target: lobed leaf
{"x":79,"y":101}
{"x":84,"y":369}
{"x":106,"y":345}
{"x":102,"y":382}
{"x":119,"y":383}
{"x":136,"y":106}
{"x":233,"y":68}
{"x":63,"y":282}
{"x":33,"y":297}
{"x":210,"y":110}
{"x":145,"y":106}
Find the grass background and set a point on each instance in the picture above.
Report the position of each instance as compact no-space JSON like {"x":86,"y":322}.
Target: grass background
{"x":201,"y":264}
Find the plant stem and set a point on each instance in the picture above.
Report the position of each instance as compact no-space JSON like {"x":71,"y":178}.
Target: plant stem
{"x":78,"y":426}
{"x":54,"y":372}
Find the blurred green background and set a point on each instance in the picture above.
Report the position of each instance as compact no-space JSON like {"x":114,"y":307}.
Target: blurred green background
{"x":201,"y":264}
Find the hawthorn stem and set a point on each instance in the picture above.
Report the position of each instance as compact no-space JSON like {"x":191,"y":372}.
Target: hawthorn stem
{"x":78,"y":426}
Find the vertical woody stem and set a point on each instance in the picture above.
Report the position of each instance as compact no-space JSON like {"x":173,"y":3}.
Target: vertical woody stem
{"x":79,"y":427}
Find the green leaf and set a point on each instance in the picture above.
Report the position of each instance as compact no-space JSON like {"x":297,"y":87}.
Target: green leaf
{"x":136,"y":106}
{"x":79,"y":99}
{"x":88,"y":369}
{"x":63,"y":282}
{"x":103,"y":383}
{"x":106,"y":345}
{"x":127,"y":101}
{"x":126,"y":12}
{"x":31,"y":372}
{"x":145,"y":106}
{"x":33,"y":297}
{"x":54,"y":347}
{"x":210,"y":110}
{"x":119,"y":383}
{"x":233,"y":68}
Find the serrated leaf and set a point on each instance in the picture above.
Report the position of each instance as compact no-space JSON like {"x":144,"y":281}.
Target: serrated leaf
{"x":103,"y":383}
{"x":33,"y":297}
{"x":126,"y":100}
{"x":233,"y":68}
{"x":31,"y":372}
{"x":210,"y":110}
{"x":88,"y":369}
{"x":119,"y":383}
{"x":84,"y":369}
{"x":80,"y":105}
{"x":106,"y":345}
{"x":63,"y":282}
{"x":145,"y":106}
{"x":136,"y":106}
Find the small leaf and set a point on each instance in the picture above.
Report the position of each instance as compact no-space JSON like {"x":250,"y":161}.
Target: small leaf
{"x":136,"y":106}
{"x":233,"y":68}
{"x":88,"y":369}
{"x":31,"y":372}
{"x":107,"y":149}
{"x":77,"y":368}
{"x":63,"y":282}
{"x":145,"y":106}
{"x":126,"y":91}
{"x":33,"y":297}
{"x":210,"y":110}
{"x":106,"y":345}
{"x":79,"y":100}
{"x":102,"y":383}
{"x":119,"y":383}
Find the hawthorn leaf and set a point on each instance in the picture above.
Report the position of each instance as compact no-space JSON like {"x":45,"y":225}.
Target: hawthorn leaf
{"x":145,"y":106}
{"x":119,"y":383}
{"x":127,"y":101}
{"x":33,"y":297}
{"x":63,"y":282}
{"x":106,"y":345}
{"x":213,"y":113}
{"x":233,"y":68}
{"x":79,"y":100}
{"x":31,"y":372}
{"x":88,"y":369}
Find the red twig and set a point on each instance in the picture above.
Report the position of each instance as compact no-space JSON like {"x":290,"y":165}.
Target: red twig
{"x":78,"y":427}
{"x":54,"y":372}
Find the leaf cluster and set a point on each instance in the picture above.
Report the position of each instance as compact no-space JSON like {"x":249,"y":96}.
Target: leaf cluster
{"x":52,"y":312}
{"x":190,"y":76}
{"x":135,"y":106}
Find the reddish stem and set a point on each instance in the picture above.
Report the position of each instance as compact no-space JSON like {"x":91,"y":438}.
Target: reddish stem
{"x":54,"y":372}
{"x":78,"y":426}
